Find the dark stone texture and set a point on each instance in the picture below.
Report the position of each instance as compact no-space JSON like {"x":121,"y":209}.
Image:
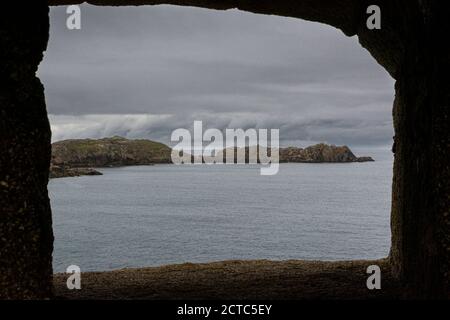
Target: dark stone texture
{"x":232,"y":280}
{"x":26,"y":238}
{"x":412,"y":46}
{"x":420,"y":207}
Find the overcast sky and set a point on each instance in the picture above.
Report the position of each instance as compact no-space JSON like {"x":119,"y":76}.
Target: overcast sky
{"x":141,"y":72}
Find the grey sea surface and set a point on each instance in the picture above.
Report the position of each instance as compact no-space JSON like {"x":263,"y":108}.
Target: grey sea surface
{"x":155,"y":215}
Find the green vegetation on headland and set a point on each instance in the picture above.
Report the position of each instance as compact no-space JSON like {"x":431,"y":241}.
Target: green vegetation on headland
{"x":79,"y":157}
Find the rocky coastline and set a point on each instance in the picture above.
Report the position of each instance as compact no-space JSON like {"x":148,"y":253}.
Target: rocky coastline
{"x":72,"y":158}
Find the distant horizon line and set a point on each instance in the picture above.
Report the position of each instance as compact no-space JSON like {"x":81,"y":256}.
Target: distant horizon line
{"x":305,"y":144}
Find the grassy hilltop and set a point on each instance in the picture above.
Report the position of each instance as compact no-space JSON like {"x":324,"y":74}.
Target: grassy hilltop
{"x":109,"y":152}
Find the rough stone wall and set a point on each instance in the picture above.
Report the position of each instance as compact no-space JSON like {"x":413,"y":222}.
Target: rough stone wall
{"x":420,"y":223}
{"x":26,"y":238}
{"x":413,"y":48}
{"x":440,"y":140}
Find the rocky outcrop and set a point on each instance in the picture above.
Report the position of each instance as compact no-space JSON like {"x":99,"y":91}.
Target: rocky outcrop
{"x":63,"y":171}
{"x":320,"y":153}
{"x":73,"y":158}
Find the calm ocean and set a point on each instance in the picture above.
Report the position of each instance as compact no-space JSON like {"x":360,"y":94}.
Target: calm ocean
{"x":155,"y":215}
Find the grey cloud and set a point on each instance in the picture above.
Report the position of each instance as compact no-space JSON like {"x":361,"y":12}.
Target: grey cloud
{"x":176,"y":65}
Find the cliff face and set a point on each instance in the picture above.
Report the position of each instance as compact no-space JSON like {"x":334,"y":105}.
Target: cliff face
{"x":109,"y":152}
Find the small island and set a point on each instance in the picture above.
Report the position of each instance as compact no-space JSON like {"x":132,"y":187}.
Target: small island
{"x":79,"y":157}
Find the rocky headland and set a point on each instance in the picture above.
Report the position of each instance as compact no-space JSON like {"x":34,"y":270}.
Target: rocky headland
{"x":79,"y":157}
{"x":320,"y":153}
